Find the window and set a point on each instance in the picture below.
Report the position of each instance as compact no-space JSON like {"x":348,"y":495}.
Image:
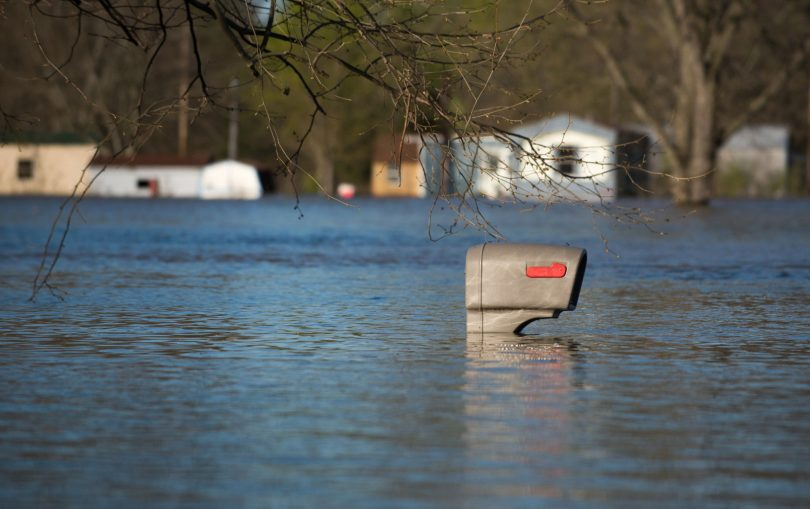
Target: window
{"x":393,"y":175}
{"x":25,"y":169}
{"x":150,"y":185}
{"x":567,"y":160}
{"x":492,"y":165}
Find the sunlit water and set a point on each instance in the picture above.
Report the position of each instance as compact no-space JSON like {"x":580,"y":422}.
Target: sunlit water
{"x":221,"y":354}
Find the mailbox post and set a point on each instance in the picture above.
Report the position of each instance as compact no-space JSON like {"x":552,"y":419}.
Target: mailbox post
{"x":509,"y":286}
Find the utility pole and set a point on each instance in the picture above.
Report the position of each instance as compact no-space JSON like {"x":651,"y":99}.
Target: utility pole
{"x":233,"y":120}
{"x":807,"y":145}
{"x":448,"y":166}
{"x":182,"y":111}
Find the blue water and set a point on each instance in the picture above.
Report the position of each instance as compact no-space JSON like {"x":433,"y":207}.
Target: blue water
{"x":230,"y":354}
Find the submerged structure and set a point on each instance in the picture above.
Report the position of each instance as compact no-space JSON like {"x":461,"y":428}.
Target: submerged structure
{"x":560,"y":158}
{"x":410,"y":166}
{"x":50,"y":165}
{"x":230,"y":180}
{"x":174,"y":177}
{"x":508,"y":286}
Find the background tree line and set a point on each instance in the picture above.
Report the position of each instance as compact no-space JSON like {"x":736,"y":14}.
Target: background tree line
{"x":318,"y":81}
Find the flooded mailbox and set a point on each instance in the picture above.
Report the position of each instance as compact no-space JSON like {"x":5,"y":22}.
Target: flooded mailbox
{"x":512,"y":285}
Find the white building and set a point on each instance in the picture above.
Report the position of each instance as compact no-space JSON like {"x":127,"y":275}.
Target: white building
{"x":565,"y":158}
{"x":173,"y":177}
{"x":562,"y":158}
{"x":760,"y":152}
{"x":230,"y":180}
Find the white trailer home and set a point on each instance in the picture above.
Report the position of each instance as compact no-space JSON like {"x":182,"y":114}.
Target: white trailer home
{"x":174,"y":177}
{"x":147,"y":176}
{"x":565,"y":158}
{"x":562,"y":158}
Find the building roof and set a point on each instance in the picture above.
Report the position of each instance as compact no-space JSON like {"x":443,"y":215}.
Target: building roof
{"x":387,"y":148}
{"x":759,"y":137}
{"x":153,"y":160}
{"x":32,"y":138}
{"x":566,"y":122}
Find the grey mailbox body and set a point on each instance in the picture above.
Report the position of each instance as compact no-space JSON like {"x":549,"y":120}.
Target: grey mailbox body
{"x":511,"y":285}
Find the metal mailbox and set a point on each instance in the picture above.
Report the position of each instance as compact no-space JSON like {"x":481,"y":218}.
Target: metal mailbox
{"x":512,"y":285}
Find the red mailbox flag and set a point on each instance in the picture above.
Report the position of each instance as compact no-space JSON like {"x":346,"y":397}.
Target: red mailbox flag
{"x":555,"y":270}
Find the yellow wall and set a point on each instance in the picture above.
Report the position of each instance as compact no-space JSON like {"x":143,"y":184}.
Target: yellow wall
{"x":409,"y":183}
{"x":56,"y":168}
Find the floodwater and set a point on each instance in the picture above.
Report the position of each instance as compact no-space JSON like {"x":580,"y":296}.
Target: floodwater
{"x":223,"y":354}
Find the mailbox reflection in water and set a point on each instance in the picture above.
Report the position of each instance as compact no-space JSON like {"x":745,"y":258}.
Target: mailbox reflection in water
{"x":511,"y":285}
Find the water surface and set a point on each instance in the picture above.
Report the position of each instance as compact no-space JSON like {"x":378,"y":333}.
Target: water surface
{"x":230,"y":354}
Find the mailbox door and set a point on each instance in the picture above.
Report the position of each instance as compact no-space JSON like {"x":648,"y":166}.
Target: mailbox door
{"x":524,"y":276}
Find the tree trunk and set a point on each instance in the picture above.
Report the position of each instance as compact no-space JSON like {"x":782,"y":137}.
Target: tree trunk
{"x":807,"y":148}
{"x":694,"y":184}
{"x":182,"y":86}
{"x":695,"y":188}
{"x":321,"y":154}
{"x":446,"y":184}
{"x":694,"y":125}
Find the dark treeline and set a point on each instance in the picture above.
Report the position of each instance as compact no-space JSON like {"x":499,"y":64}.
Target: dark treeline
{"x":318,"y":81}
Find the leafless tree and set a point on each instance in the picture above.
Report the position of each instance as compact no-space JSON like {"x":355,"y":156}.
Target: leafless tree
{"x":442,"y":68}
{"x":713,"y":50}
